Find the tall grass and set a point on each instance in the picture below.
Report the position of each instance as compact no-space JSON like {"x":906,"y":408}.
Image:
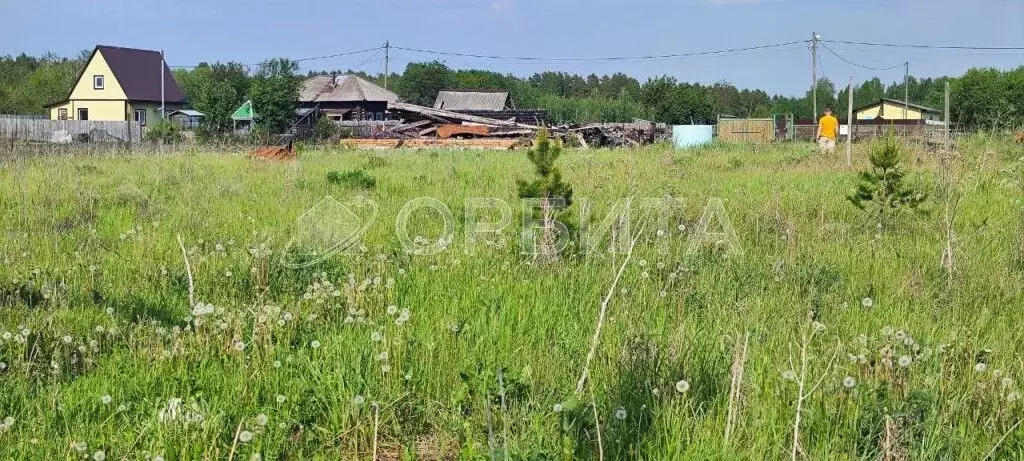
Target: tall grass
{"x":379,"y":353}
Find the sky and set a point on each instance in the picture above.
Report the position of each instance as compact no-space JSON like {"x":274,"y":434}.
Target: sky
{"x":248,"y":31}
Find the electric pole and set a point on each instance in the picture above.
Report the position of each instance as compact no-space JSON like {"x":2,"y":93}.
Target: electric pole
{"x":849,"y":125}
{"x":162,"y":64}
{"x":906,"y":88}
{"x":814,"y":73}
{"x":387,"y":61}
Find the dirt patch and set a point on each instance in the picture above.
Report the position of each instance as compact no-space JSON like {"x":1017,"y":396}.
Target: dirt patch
{"x":273,"y":153}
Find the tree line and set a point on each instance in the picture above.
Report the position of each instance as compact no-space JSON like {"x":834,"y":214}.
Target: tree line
{"x":982,"y":98}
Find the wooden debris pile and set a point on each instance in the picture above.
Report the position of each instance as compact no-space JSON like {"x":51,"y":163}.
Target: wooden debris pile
{"x":635,"y":134}
{"x":423,"y":124}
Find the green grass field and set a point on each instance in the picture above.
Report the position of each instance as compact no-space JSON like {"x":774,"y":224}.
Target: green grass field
{"x":477,"y":354}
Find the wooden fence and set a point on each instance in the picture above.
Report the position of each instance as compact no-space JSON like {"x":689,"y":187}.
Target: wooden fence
{"x":70,"y":131}
{"x":756,"y":130}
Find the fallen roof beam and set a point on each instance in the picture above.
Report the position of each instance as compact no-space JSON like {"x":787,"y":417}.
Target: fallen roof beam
{"x":438,"y":113}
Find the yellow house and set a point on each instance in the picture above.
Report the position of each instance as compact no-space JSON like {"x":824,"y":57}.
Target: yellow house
{"x":891,"y":109}
{"x":120,"y":84}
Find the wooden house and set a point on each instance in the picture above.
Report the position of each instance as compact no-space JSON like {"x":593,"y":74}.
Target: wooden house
{"x":120,"y":84}
{"x":345,"y":97}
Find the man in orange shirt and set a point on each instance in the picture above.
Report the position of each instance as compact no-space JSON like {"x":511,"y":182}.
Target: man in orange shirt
{"x":828,"y":131}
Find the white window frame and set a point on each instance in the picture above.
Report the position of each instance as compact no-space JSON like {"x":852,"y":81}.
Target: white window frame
{"x":62,"y":114}
{"x":79,"y":113}
{"x":142,"y":119}
{"x":98,"y":82}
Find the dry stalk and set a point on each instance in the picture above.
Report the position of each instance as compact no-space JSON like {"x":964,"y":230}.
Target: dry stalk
{"x":597,"y":424}
{"x":188,"y":270}
{"x":504,"y":413}
{"x":890,"y":443}
{"x":736,"y":387}
{"x":602,"y":314}
{"x":1000,"y":441}
{"x":376,"y":427}
{"x":238,"y":430}
{"x":804,"y":392}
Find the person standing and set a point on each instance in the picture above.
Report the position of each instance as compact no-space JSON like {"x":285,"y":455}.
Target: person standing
{"x":828,"y":132}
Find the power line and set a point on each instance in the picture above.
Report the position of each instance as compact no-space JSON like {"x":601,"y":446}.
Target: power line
{"x":605,"y":58}
{"x":856,"y":64}
{"x":934,"y":47}
{"x":314,"y":58}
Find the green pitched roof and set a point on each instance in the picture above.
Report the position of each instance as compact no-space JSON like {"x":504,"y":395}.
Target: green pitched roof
{"x":244,"y":112}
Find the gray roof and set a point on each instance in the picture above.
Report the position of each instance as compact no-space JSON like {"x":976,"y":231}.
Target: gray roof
{"x":343,"y":88}
{"x":471,"y":100}
{"x":187,"y":113}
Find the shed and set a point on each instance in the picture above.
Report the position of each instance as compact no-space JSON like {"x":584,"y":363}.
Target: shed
{"x":472,"y":100}
{"x":187,"y":118}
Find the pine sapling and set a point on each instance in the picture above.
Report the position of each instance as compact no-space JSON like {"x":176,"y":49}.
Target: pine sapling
{"x":882,"y":191}
{"x":555,"y":195}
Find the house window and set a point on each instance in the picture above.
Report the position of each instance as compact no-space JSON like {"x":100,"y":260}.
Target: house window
{"x":140,"y":116}
{"x":97,"y":82}
{"x":62,"y":114}
{"x":83,"y":114}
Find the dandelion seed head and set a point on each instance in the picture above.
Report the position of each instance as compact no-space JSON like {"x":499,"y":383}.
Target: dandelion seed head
{"x":99,"y":455}
{"x":245,"y":437}
{"x":239,"y":346}
{"x":557,"y":408}
{"x":849,"y":382}
{"x":981,"y":367}
{"x":682,"y":386}
{"x":281,"y":399}
{"x":277,"y":364}
{"x":1007,"y":382}
{"x":392,"y":309}
{"x":262,"y":419}
{"x":789,"y":375}
{"x":1013,"y":396}
{"x":905,"y":361}
{"x":867,"y":302}
{"x":620,"y":413}
{"x":106,"y":399}
{"x":314,"y":344}
{"x":358,"y":400}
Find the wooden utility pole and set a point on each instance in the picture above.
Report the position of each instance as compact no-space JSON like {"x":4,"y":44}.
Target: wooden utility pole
{"x":849,"y":125}
{"x":906,"y":89}
{"x":814,"y":73}
{"x":387,"y":62}
{"x":162,"y":84}
{"x":946,"y":119}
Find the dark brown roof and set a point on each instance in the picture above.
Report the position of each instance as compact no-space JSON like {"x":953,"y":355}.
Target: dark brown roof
{"x":136,"y":71}
{"x":131,"y":68}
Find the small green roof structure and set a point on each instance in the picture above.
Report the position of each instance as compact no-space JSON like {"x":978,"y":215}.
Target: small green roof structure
{"x":244,"y":112}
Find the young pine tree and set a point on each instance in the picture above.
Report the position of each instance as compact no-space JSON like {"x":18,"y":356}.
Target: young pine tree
{"x":555,"y":196}
{"x":882,"y":191}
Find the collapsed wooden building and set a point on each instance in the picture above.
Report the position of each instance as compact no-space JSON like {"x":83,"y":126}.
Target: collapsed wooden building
{"x":467,"y":118}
